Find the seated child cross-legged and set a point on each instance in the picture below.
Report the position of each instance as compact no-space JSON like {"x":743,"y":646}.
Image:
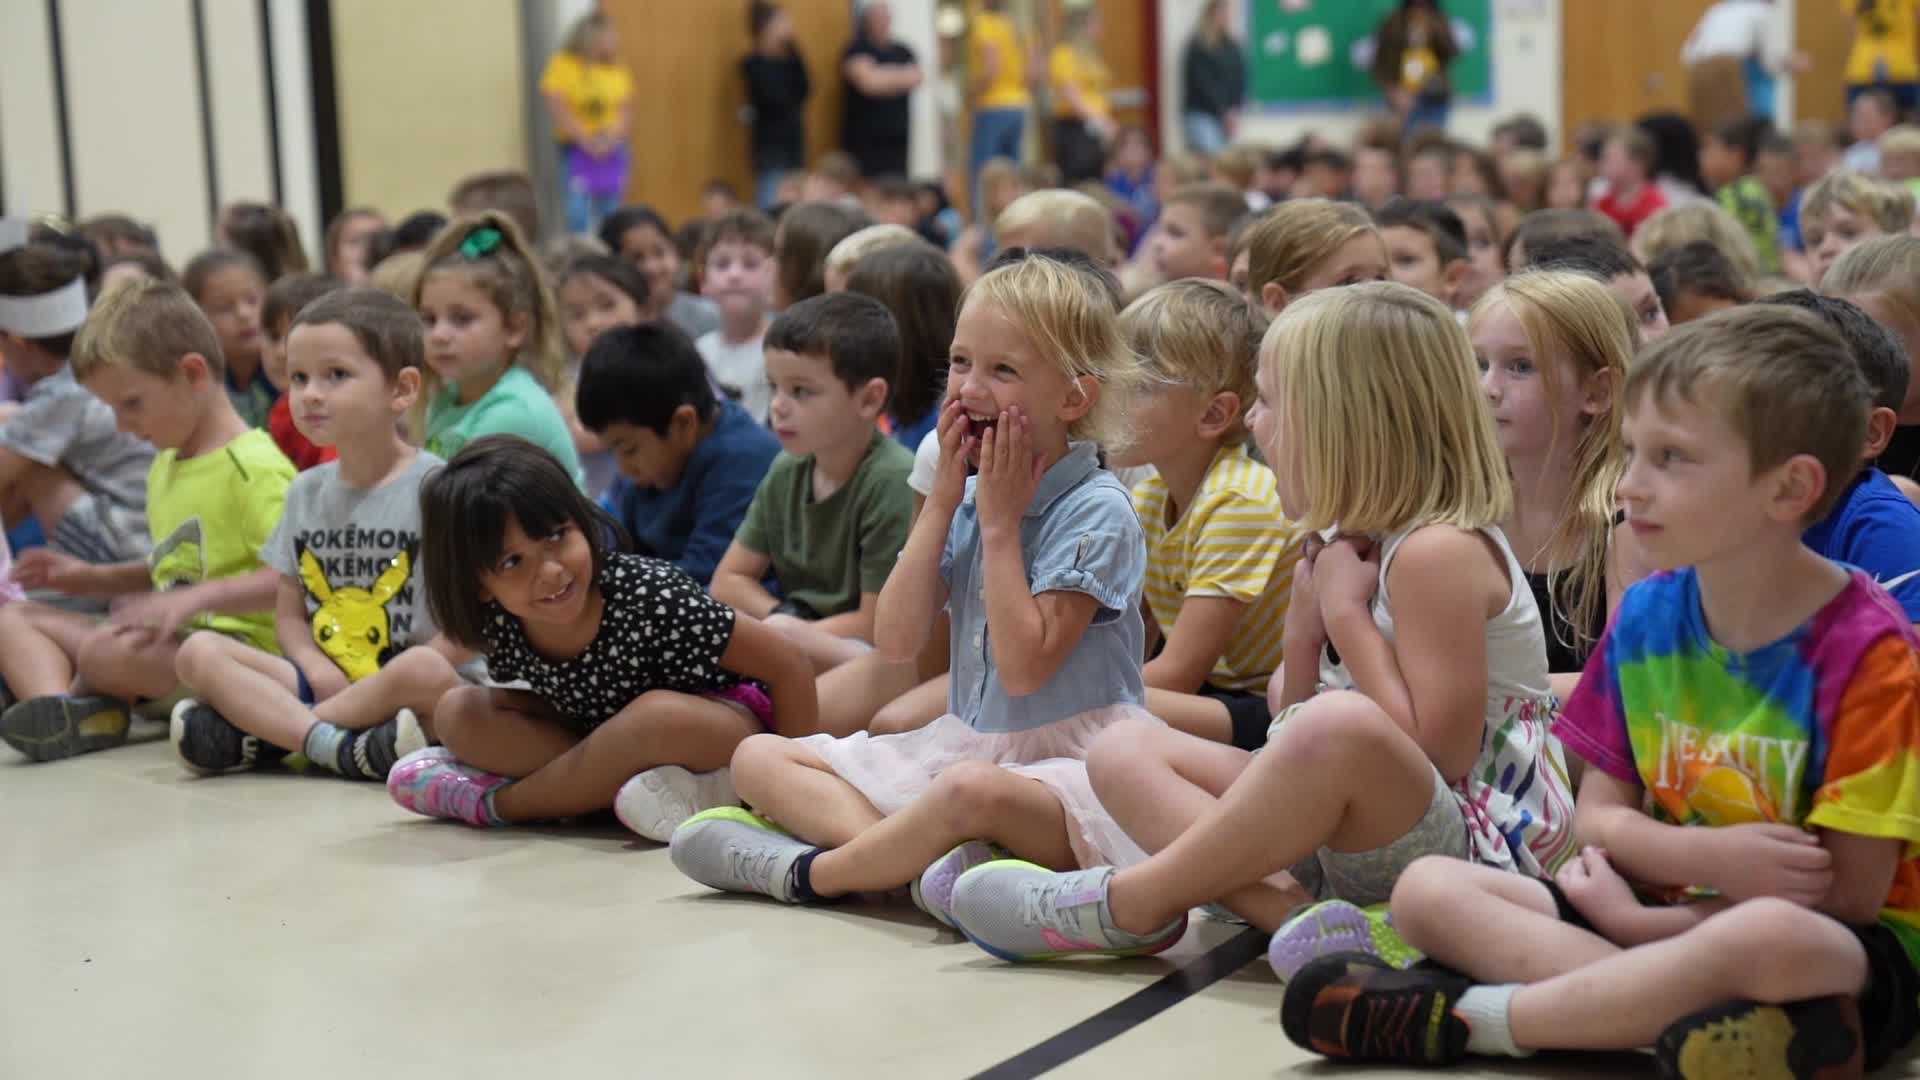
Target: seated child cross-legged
{"x":691,"y":460}
{"x":1425,"y":740}
{"x":348,"y":561}
{"x":640,"y":684}
{"x":1039,"y":561}
{"x":1749,"y":724}
{"x":833,"y":511}
{"x":1220,"y":550}
{"x":214,"y":494}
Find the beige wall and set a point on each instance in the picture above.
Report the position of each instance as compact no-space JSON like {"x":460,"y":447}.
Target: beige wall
{"x":429,"y":91}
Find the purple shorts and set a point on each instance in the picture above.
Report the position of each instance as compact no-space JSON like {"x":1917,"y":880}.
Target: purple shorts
{"x":751,"y":698}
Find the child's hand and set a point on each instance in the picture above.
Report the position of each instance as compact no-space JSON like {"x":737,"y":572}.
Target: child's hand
{"x":1761,"y":859}
{"x":1597,"y":891}
{"x":1304,"y":631}
{"x":155,"y":616}
{"x":1009,"y":472}
{"x":44,"y":568}
{"x":1347,"y":575}
{"x":950,"y":480}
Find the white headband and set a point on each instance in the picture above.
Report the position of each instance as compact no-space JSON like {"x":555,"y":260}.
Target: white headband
{"x":48,"y":314}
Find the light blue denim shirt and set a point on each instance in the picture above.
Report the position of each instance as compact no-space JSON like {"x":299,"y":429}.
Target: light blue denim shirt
{"x":1080,"y":534}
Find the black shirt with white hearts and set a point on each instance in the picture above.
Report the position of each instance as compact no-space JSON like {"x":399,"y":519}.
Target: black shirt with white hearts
{"x":659,"y":630}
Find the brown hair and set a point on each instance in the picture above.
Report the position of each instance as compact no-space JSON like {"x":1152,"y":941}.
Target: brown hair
{"x":1297,"y":236}
{"x":337,"y":228}
{"x":807,"y":233}
{"x":287,"y":296}
{"x":1219,"y":205}
{"x":268,"y":234}
{"x":511,"y":277}
{"x":1780,"y":377}
{"x":919,"y":285}
{"x":507,"y":191}
{"x":750,"y":227}
{"x":386,"y":328}
{"x":147,"y":326}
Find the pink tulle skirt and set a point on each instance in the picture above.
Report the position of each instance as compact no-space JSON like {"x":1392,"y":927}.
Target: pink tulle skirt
{"x":893,"y":770}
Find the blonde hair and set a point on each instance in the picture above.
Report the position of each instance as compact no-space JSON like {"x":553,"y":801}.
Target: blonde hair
{"x":1899,"y":139}
{"x":1218,"y":205}
{"x":1284,"y":247}
{"x":1358,"y":368}
{"x":1063,"y":218}
{"x":146,"y":326}
{"x":1238,"y":164}
{"x":1678,"y":226}
{"x":398,"y":273}
{"x":861,"y":244}
{"x":1198,"y":333}
{"x":512,"y":278}
{"x":1890,"y":206}
{"x":1069,"y":314}
{"x":1885,"y":268}
{"x":1588,"y":331}
{"x":1185,"y":168}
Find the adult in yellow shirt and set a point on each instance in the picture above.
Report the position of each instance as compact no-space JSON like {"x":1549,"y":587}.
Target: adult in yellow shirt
{"x":588,"y":94}
{"x":1083,"y":125}
{"x":1886,"y":49}
{"x":997,"y":86}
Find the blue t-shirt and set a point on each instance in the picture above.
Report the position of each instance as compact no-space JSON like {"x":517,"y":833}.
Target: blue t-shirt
{"x":1790,"y":225}
{"x":1080,"y":534}
{"x":691,"y":523}
{"x":1877,"y":529}
{"x":909,"y":434}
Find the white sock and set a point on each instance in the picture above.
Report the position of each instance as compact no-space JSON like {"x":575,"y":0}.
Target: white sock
{"x":1485,"y":1008}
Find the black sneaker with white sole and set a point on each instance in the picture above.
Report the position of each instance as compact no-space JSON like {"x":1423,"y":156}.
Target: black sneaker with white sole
{"x":370,"y":754}
{"x":209,"y":745}
{"x":65,"y":725}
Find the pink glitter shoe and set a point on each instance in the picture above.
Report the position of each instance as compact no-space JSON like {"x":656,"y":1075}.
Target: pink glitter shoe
{"x":431,"y":783}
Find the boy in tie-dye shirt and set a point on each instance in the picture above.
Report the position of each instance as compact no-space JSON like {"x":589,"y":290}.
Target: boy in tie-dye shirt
{"x":1751,"y":723}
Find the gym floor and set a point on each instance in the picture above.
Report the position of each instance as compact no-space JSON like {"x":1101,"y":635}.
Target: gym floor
{"x":293,"y":925}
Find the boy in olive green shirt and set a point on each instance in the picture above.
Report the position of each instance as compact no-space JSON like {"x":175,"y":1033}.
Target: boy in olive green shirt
{"x":832,"y":514}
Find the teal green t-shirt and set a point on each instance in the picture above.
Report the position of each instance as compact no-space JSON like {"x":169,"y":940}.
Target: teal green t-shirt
{"x":517,"y":405}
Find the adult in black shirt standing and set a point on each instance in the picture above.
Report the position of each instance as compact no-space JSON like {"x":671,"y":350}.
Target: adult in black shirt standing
{"x":881,"y":75}
{"x":777,"y":89}
{"x":1213,"y":81}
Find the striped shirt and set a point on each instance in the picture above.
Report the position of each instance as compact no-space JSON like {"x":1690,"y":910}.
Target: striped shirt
{"x":1233,"y":541}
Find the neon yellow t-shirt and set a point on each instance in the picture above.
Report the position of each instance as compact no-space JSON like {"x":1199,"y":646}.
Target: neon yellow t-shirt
{"x":1009,"y":88}
{"x":210,"y":516}
{"x":594,"y":92}
{"x":1067,"y":67}
{"x":1885,"y":43}
{"x":1234,"y":541}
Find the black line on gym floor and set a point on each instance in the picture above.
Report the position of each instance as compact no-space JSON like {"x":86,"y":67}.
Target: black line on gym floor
{"x":62,"y":118}
{"x":1143,"y":1005}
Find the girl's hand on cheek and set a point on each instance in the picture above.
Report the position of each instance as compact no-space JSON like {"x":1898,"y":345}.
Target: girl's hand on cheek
{"x":1009,"y":472}
{"x":950,"y":478}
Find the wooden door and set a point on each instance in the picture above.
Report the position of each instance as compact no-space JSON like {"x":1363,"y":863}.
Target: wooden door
{"x":689,"y":97}
{"x":1820,"y":93}
{"x":1621,"y":58}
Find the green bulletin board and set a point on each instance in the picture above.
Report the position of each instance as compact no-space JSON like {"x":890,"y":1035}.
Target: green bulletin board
{"x":1315,"y":54}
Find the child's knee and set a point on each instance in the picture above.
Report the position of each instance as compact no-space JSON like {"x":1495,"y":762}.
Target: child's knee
{"x":757,"y":758}
{"x":1427,"y":898}
{"x":199,"y":657}
{"x":1336,"y":727}
{"x":420,"y":669}
{"x":459,"y":712}
{"x":1777,"y":951}
{"x":974,"y":796}
{"x":1118,"y":753}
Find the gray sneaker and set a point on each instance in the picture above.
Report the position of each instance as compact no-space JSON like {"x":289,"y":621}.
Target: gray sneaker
{"x":660,"y":800}
{"x":64,"y":725}
{"x":1021,"y":912}
{"x":732,"y":850}
{"x":932,"y":891}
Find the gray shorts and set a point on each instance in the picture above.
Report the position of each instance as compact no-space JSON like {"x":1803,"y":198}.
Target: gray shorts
{"x":1368,"y":877}
{"x":99,"y":530}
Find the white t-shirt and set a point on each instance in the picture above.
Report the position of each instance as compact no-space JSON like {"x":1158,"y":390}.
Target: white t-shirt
{"x":1739,"y":29}
{"x":739,"y":369}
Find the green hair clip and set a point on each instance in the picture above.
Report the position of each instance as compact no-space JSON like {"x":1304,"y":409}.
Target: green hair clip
{"x":481,"y":241}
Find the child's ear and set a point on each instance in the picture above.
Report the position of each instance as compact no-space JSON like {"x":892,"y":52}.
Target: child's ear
{"x":1880,"y":424}
{"x":1596,"y":396}
{"x":1801,"y":481}
{"x":683,"y":427}
{"x":406,"y":388}
{"x":517,"y":326}
{"x":871,"y":399}
{"x":1273,"y":297}
{"x":1219,"y":265}
{"x":1221,"y":413}
{"x":1082,"y":394}
{"x":193,"y":368}
{"x":1452,"y":276}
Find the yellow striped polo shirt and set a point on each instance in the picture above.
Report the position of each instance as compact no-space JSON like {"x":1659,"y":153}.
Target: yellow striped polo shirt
{"x":1234,"y":541}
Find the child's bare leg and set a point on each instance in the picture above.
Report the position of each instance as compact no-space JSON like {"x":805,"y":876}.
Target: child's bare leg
{"x":416,"y":679}
{"x":510,"y":733}
{"x":1201,"y":717}
{"x":660,"y":727}
{"x":853,"y":693}
{"x":1339,"y":774}
{"x":973,"y":800}
{"x":1494,"y":925}
{"x":127,"y":663}
{"x":40,"y":647}
{"x":913,"y":710}
{"x":787,"y":783}
{"x":1766,"y":950}
{"x":253,"y":690}
{"x":824,"y":650}
{"x":44,"y":492}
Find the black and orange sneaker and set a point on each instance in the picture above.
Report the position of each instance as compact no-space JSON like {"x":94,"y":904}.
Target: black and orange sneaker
{"x":1356,"y":1007}
{"x":1807,"y":1040}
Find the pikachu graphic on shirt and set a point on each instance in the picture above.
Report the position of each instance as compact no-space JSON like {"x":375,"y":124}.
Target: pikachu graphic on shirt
{"x":352,"y":625}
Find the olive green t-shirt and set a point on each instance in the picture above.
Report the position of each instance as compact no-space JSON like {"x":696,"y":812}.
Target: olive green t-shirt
{"x":827,"y":553}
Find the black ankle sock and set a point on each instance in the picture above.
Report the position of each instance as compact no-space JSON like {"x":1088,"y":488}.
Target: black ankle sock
{"x":801,"y":878}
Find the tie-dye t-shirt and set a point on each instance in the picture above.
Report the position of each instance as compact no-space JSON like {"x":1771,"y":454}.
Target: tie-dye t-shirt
{"x":1820,"y":728}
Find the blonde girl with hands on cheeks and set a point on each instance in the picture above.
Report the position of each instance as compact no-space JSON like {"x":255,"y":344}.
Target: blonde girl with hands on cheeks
{"x":1418,"y":739}
{"x":1040,"y":563}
